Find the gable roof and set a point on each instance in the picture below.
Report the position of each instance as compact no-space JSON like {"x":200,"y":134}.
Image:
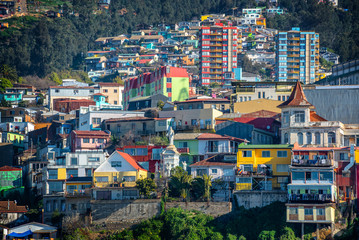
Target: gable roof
{"x":296,"y":98}
{"x":260,"y":123}
{"x":11,"y":207}
{"x":131,"y":161}
{"x":106,"y":165}
{"x":314,"y":117}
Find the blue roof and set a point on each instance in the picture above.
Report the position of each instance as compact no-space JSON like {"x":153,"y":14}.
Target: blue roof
{"x":24,"y":234}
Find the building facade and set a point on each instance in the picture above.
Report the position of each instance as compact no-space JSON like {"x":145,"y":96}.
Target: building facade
{"x":218,"y":53}
{"x":297,"y":56}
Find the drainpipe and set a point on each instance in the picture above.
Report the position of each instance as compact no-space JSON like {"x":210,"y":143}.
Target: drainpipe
{"x":351,"y":164}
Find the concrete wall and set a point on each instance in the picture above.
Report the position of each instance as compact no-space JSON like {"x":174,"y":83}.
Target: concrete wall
{"x":338,"y":103}
{"x":252,"y":199}
{"x":134,"y":211}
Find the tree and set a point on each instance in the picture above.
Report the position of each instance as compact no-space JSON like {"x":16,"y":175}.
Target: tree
{"x":160,"y":105}
{"x":207,"y":180}
{"x":56,"y":218}
{"x":5,"y":83}
{"x":287,"y":234}
{"x":8,"y":72}
{"x":4,"y":103}
{"x":180,"y":183}
{"x":146,"y":186}
{"x":267,"y":235}
{"x":55,"y":78}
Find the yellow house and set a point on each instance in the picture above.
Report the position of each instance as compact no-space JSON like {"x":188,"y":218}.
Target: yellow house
{"x":120,"y":169}
{"x":263,"y":167}
{"x":311,"y":213}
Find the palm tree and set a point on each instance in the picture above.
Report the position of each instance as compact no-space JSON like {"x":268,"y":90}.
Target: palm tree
{"x":180,"y":182}
{"x":207,"y":180}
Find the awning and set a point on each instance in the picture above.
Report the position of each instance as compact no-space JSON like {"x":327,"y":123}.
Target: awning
{"x":24,"y":234}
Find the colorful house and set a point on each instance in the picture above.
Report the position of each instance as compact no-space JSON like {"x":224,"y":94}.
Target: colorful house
{"x":88,"y":140}
{"x":120,"y":170}
{"x":263,"y":167}
{"x":10,"y":179}
{"x":172,"y":82}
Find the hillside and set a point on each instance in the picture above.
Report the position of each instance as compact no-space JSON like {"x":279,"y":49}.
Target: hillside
{"x":37,"y":45}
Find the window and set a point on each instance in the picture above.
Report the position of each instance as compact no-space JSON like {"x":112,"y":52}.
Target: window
{"x":194,"y":122}
{"x":246,"y":153}
{"x":264,"y":94}
{"x":50,"y":155}
{"x":331,"y":137}
{"x":129,"y":178}
{"x":102,"y":179}
{"x":169,"y":80}
{"x":118,"y":128}
{"x":243,"y":180}
{"x":298,"y":176}
{"x":93,"y":159}
{"x":71,"y":173}
{"x":214,"y":171}
{"x":309,"y":138}
{"x":53,"y":174}
{"x":183,"y":144}
{"x":96,"y":120}
{"x":212,"y":146}
{"x":100,"y":140}
{"x":88,"y":172}
{"x":317,"y":138}
{"x":162,"y":123}
{"x":73,"y":161}
{"x":320,"y":211}
{"x":285,"y":117}
{"x":141,"y":152}
{"x":55,"y":187}
{"x":326,"y":176}
{"x":299,"y":116}
{"x":116,"y":164}
{"x":105,"y":90}
{"x":169,"y":90}
{"x":293,"y":211}
{"x":282,"y":153}
{"x":86,"y":140}
{"x":248,"y":167}
{"x":344,"y":156}
{"x":266,"y":154}
{"x":57,"y":90}
{"x":115,"y":102}
{"x":115,"y":91}
{"x":259,"y":94}
{"x":286,"y":140}
{"x":300,"y":138}
{"x":308,"y":211}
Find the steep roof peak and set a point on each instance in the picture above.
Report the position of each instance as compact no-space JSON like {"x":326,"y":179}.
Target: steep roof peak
{"x":297,"y":98}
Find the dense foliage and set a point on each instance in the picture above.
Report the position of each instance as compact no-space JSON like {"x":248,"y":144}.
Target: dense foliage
{"x":39,"y":46}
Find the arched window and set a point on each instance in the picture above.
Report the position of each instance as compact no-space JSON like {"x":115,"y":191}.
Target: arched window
{"x":286,"y":138}
{"x":309,"y":138}
{"x":317,"y":138}
{"x":331,"y":137}
{"x":300,"y":138}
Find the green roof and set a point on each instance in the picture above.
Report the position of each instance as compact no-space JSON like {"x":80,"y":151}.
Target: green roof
{"x":265,"y":146}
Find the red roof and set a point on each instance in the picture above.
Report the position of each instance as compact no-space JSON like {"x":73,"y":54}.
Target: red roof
{"x":9,"y":168}
{"x":76,"y":100}
{"x":144,"y":61}
{"x":314,"y":117}
{"x":260,"y":123}
{"x":297,"y":98}
{"x":205,"y":136}
{"x":11,"y":207}
{"x":91,"y":133}
{"x":131,"y":161}
{"x":206,"y":100}
{"x":98,"y":94}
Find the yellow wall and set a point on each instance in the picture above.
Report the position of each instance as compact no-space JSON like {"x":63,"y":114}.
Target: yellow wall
{"x":329,"y":214}
{"x":257,"y":159}
{"x":138,"y":174}
{"x":61,"y":173}
{"x":204,"y":17}
{"x":356,"y":156}
{"x":243,"y":186}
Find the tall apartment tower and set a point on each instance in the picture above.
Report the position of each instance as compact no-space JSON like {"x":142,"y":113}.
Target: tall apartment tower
{"x":297,"y":56}
{"x":218,"y":55}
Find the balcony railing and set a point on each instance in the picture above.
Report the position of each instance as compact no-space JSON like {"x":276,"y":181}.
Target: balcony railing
{"x":183,"y":150}
{"x":264,"y":173}
{"x":312,"y":163}
{"x":306,"y":197}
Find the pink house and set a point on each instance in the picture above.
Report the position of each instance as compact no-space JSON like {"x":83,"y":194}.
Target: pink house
{"x":88,"y":140}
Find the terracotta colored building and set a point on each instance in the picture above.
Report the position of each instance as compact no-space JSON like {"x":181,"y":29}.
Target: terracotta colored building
{"x":69,"y":105}
{"x":88,"y":140}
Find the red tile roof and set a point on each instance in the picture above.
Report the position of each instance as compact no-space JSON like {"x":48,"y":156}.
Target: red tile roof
{"x":131,"y":161}
{"x":98,"y":94}
{"x":260,"y":123}
{"x":205,"y":136}
{"x":11,"y":207}
{"x":9,"y":168}
{"x":314,"y":117}
{"x":296,"y":98}
{"x":91,"y":133}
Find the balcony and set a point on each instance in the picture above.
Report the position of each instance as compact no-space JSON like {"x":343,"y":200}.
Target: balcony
{"x":183,"y":150}
{"x":215,"y":73}
{"x":216,"y":39}
{"x":260,"y":174}
{"x":293,"y":38}
{"x":294,"y":55}
{"x":306,"y":197}
{"x":312,"y":163}
{"x":216,"y":56}
{"x":217,"y":66}
{"x":216,"y":61}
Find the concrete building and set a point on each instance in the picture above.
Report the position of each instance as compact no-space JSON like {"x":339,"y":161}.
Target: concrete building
{"x":88,"y":140}
{"x":297,"y":56}
{"x":69,"y":92}
{"x":248,"y":91}
{"x":262,"y":167}
{"x":218,"y":53}
{"x":172,"y":82}
{"x":301,"y":124}
{"x":90,"y":118}
{"x":113,"y":92}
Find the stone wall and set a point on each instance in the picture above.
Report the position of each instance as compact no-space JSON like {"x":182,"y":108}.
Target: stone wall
{"x":214,"y":209}
{"x":252,"y":199}
{"x":127,"y":212}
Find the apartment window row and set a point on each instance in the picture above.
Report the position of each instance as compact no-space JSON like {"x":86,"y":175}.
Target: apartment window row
{"x":245,"y":98}
{"x":317,"y":138}
{"x":283,"y":98}
{"x":94,"y":140}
